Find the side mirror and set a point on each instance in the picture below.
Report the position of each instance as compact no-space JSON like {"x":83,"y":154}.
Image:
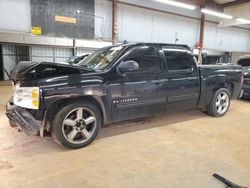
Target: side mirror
{"x":128,"y":66}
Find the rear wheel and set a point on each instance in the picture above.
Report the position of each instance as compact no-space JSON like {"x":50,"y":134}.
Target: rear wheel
{"x":220,"y":103}
{"x":76,"y":125}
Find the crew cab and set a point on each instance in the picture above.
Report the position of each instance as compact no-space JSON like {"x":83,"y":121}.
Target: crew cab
{"x":116,"y":83}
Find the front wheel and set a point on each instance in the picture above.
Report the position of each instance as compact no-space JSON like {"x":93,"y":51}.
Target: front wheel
{"x":76,"y":125}
{"x":219,"y":104}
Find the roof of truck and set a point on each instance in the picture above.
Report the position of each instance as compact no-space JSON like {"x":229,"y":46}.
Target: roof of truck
{"x":174,"y":46}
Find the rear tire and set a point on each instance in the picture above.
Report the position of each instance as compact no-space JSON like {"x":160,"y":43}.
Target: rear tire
{"x":219,"y":104}
{"x":76,"y":125}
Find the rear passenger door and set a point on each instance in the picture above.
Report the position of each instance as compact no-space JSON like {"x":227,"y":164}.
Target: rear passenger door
{"x":181,"y":76}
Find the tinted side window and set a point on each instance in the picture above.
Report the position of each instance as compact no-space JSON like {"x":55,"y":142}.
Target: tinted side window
{"x":147,"y":57}
{"x":178,"y":60}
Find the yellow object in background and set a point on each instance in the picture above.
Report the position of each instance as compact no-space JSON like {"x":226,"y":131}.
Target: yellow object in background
{"x":65,"y":19}
{"x":36,"y":30}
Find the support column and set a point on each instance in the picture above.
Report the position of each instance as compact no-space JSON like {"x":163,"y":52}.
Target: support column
{"x":201,"y":41}
{"x":114,"y":21}
{"x":202,"y":26}
{"x":74,"y":47}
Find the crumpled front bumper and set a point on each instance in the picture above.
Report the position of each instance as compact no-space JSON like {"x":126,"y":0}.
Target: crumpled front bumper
{"x":23,"y":119}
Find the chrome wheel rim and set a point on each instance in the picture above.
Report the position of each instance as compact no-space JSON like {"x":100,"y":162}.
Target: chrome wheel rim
{"x":79,"y":125}
{"x":222,"y":103}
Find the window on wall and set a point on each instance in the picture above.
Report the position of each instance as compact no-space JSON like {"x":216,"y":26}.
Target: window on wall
{"x":179,"y":60}
{"x":147,"y":57}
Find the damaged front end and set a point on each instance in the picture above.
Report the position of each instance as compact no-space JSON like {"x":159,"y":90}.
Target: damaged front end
{"x":26,"y":108}
{"x":32,"y":70}
{"x":23,"y":119}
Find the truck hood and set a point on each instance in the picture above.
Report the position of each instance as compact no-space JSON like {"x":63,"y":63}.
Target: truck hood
{"x":31,"y":70}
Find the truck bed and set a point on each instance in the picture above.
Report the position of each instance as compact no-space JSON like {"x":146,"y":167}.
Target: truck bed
{"x":213,"y":77}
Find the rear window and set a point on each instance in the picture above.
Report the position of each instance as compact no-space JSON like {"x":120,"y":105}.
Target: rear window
{"x":244,"y":62}
{"x":178,"y":60}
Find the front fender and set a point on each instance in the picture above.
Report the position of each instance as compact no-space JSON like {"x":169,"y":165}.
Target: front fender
{"x":54,"y":99}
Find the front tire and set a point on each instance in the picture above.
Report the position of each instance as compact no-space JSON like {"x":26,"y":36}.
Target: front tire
{"x":76,"y":125}
{"x":219,"y":104}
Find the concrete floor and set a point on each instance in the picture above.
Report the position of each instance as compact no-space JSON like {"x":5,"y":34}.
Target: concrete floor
{"x":178,"y":149}
{"x":5,"y":92}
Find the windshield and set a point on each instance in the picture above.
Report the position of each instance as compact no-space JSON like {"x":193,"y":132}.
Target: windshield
{"x":100,"y":59}
{"x":71,"y":59}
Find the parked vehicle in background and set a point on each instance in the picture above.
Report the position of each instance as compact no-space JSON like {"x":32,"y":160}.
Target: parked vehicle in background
{"x":76,"y":59}
{"x":244,"y":61}
{"x":113,"y":84}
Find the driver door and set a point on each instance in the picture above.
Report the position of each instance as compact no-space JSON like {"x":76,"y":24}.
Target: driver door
{"x":140,"y":93}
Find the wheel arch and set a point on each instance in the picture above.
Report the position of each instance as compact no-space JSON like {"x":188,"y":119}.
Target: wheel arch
{"x":96,"y":100}
{"x":227,"y":85}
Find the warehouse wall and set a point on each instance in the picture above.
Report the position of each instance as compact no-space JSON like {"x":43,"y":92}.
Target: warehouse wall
{"x":138,"y":25}
{"x":43,"y":13}
{"x":249,"y":43}
{"x":15,"y":15}
{"x":9,"y":59}
{"x":50,"y":54}
{"x":143,"y":25}
{"x":12,"y":54}
{"x":226,"y":39}
{"x":103,"y":25}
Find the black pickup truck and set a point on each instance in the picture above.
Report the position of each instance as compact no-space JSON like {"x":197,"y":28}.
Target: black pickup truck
{"x":116,"y":83}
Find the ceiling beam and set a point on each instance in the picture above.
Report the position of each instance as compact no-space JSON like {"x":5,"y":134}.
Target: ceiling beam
{"x":234,"y":3}
{"x":199,"y":2}
{"x":206,"y":3}
{"x":212,"y":5}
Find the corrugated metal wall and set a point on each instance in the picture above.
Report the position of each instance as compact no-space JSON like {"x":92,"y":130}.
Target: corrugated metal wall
{"x":9,"y":59}
{"x":12,"y":54}
{"x":82,"y":51}
{"x":50,"y":54}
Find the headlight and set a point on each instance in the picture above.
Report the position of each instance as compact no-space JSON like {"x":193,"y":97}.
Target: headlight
{"x":27,"y":97}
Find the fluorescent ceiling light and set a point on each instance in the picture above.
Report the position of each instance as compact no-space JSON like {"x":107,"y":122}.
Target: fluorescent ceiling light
{"x":214,"y":13}
{"x":242,"y":20}
{"x":177,"y":4}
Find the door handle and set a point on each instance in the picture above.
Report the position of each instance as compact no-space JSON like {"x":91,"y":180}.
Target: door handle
{"x":161,"y":80}
{"x":158,"y":81}
{"x":192,"y":78}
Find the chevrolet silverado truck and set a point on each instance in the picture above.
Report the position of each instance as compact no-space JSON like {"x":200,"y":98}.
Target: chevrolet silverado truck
{"x":116,"y":83}
{"x":244,"y":61}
